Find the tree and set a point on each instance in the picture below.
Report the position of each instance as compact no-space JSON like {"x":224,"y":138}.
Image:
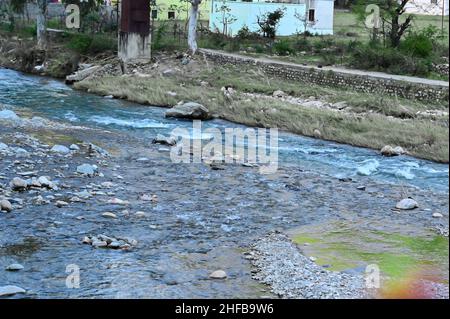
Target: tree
{"x":394,"y":21}
{"x":226,"y":17}
{"x":304,"y":21}
{"x":41,"y":24}
{"x":268,"y":22}
{"x":192,"y":27}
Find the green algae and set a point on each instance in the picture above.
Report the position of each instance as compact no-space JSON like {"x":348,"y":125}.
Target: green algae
{"x":341,"y":247}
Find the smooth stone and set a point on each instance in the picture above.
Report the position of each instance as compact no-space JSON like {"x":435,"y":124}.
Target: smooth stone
{"x":14,"y":267}
{"x":74,"y":147}
{"x":438,"y":215}
{"x":87,"y":169}
{"x":218,"y":274}
{"x":61,"y":204}
{"x":11,"y":290}
{"x":18,"y":184}
{"x":3,"y":147}
{"x":8,"y":115}
{"x":407,"y":204}
{"x":5,"y":205}
{"x":60,"y":149}
{"x":109,"y":215}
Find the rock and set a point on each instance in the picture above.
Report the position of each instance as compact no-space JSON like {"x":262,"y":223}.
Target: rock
{"x":61,"y":149}
{"x":5,"y":205}
{"x":8,"y":115}
{"x":190,"y":110}
{"x":163,"y":140}
{"x":317,"y":134}
{"x":82,"y":74}
{"x":61,"y":204}
{"x":97,"y":150}
{"x":18,"y":184}
{"x":109,"y":215}
{"x":11,"y":290}
{"x":74,"y":147}
{"x":313,"y":259}
{"x":340,"y":105}
{"x":279,"y":94}
{"x":3,"y":147}
{"x":437,"y":215}
{"x":218,"y":274}
{"x":140,"y":214}
{"x":390,"y":151}
{"x":407,"y":204}
{"x":87,"y":169}
{"x":168,"y":72}
{"x":45,"y":182}
{"x":361,"y":188}
{"x":14,"y":267}
{"x":117,"y":201}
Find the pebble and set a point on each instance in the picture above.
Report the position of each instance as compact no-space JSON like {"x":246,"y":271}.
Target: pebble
{"x":407,"y":204}
{"x":61,"y":204}
{"x":5,"y":205}
{"x":140,"y":214}
{"x":438,"y":215}
{"x":218,"y":274}
{"x":74,"y":147}
{"x":11,"y":290}
{"x":109,"y":215}
{"x":18,"y":184}
{"x":14,"y":267}
{"x":61,"y":149}
{"x":87,"y":169}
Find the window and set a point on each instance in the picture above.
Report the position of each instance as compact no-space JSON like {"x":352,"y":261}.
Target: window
{"x":154,"y":14}
{"x":312,"y":15}
{"x":171,"y":15}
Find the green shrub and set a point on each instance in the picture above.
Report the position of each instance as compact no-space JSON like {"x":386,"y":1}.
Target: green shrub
{"x":80,"y":42}
{"x":283,"y":47}
{"x":417,"y":44}
{"x":303,"y":44}
{"x":245,"y":34}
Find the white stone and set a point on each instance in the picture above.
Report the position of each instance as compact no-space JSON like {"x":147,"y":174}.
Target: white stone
{"x":218,"y":274}
{"x":11,"y":290}
{"x":14,"y":267}
{"x":407,"y":204}
{"x":61,"y":149}
{"x":109,"y":215}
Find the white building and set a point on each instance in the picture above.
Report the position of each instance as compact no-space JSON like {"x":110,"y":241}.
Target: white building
{"x":316,"y":15}
{"x":428,"y":7}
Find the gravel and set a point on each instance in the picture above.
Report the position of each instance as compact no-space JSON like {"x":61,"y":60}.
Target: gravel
{"x":280,"y":264}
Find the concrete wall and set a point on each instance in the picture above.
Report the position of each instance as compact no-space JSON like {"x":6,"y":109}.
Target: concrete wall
{"x":246,"y":14}
{"x":428,"y":7}
{"x":359,"y":83}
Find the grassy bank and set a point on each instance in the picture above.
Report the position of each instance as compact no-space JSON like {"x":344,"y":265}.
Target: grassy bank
{"x":373,"y":121}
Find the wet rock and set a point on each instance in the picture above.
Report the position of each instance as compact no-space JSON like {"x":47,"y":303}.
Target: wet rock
{"x":109,"y":215}
{"x":438,"y":215}
{"x":97,"y":150}
{"x":61,"y":204}
{"x":18,"y":184}
{"x":45,"y":182}
{"x":11,"y":290}
{"x":117,"y":201}
{"x":6,"y":206}
{"x":8,"y":115}
{"x":140,"y":214}
{"x":14,"y":267}
{"x":390,"y":151}
{"x":87,"y":169}
{"x":407,"y":204}
{"x":317,"y":134}
{"x":163,"y":140}
{"x":3,"y":147}
{"x":218,"y":274}
{"x":74,"y":147}
{"x":190,"y":110}
{"x":61,"y":149}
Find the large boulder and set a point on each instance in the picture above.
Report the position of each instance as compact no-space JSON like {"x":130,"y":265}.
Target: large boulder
{"x":390,"y":151}
{"x":407,"y":204}
{"x":190,"y":110}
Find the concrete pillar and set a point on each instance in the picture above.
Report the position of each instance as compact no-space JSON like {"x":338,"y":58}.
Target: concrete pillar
{"x":134,"y":35}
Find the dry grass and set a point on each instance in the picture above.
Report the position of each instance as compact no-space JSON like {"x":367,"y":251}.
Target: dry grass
{"x":383,"y":126}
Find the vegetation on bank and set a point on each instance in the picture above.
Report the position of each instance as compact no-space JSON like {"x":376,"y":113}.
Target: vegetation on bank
{"x":373,"y":121}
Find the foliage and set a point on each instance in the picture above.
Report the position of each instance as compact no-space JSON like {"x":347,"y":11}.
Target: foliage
{"x":283,"y":47}
{"x":268,"y":22}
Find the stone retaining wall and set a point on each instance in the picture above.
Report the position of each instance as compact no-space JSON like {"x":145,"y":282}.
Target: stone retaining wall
{"x":360,"y":83}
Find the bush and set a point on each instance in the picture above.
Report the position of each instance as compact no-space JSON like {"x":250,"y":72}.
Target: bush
{"x":302,"y":44}
{"x":282,"y":47}
{"x":245,"y":34}
{"x":417,"y":44}
{"x":80,"y":43}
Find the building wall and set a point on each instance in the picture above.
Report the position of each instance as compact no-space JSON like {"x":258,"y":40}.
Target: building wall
{"x":428,"y":7}
{"x":180,"y":9}
{"x":246,"y":14}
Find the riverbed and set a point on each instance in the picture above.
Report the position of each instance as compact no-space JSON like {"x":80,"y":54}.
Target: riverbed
{"x":204,"y":218}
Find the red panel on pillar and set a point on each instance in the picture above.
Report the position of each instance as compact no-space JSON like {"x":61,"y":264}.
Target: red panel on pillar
{"x":135,"y":16}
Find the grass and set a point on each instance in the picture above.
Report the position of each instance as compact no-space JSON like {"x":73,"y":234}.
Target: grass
{"x":365,"y":126}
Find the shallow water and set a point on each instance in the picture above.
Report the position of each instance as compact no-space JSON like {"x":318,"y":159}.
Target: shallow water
{"x":49,"y":98}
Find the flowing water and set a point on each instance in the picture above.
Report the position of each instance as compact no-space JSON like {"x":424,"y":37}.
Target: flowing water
{"x":49,"y":98}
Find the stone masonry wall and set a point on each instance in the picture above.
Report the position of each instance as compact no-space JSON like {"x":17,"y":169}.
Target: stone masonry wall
{"x":360,"y":83}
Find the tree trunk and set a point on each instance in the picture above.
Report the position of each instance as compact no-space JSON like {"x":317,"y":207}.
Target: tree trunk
{"x":192,"y":31}
{"x":41,"y":24}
